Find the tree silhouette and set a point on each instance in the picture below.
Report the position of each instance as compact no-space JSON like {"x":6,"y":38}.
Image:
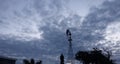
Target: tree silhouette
{"x":84,"y":57}
{"x":61,"y":59}
{"x":26,"y":61}
{"x":39,"y":62}
{"x":94,"y":57}
{"x":32,"y":61}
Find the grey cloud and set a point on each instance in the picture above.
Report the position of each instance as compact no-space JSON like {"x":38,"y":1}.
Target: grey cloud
{"x":96,"y":22}
{"x":49,"y":7}
{"x":54,"y":32}
{"x":53,"y":25}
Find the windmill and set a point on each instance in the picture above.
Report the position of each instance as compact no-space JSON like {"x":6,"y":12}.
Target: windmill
{"x":70,"y":58}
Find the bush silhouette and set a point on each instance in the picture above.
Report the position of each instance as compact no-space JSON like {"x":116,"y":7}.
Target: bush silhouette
{"x":39,"y":62}
{"x":94,"y":57}
{"x":26,"y":61}
{"x":32,"y":61}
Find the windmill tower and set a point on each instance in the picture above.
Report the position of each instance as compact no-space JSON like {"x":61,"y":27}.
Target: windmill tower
{"x":70,"y":58}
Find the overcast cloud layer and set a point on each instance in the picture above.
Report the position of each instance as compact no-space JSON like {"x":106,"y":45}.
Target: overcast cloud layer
{"x":36,"y":28}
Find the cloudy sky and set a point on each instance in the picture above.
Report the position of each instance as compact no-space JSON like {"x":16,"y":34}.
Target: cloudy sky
{"x":36,"y":28}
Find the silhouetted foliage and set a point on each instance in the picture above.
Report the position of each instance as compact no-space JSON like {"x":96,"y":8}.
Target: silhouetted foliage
{"x":61,"y":59}
{"x":32,"y":61}
{"x":26,"y":61}
{"x":39,"y":62}
{"x":94,"y":57}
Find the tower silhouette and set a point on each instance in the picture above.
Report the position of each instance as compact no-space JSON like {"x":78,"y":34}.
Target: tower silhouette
{"x":70,"y":58}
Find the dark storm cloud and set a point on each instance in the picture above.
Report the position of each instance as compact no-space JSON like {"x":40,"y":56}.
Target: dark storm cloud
{"x":54,"y":33}
{"x":25,"y":21}
{"x":48,"y":17}
{"x":95,"y":23}
{"x":49,"y":7}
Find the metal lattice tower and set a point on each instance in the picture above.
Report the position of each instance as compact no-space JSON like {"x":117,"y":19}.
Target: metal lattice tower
{"x":70,"y":58}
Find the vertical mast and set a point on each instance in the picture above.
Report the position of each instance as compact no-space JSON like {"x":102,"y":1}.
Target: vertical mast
{"x":68,"y":33}
{"x":70,"y":50}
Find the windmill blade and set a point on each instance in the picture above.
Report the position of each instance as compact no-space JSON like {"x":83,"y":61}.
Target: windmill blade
{"x":68,"y":32}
